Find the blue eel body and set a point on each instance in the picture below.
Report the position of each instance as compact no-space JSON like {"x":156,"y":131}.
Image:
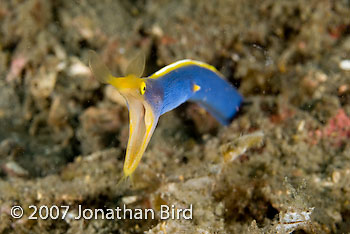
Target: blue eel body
{"x":216,"y":95}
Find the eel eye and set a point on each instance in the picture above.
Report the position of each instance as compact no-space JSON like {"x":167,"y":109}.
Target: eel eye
{"x":143,"y":88}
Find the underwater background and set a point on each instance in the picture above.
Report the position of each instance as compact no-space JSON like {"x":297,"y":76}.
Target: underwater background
{"x":281,"y":166}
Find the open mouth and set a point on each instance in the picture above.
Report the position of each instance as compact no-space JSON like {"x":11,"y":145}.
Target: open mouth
{"x":142,"y":124}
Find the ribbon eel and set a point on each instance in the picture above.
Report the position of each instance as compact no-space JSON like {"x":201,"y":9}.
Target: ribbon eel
{"x":150,"y":97}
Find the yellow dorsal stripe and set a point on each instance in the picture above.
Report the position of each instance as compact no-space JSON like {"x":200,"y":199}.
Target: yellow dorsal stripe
{"x":181,"y":63}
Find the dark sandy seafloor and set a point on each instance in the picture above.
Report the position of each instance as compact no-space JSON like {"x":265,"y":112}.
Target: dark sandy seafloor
{"x":63,"y":135}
